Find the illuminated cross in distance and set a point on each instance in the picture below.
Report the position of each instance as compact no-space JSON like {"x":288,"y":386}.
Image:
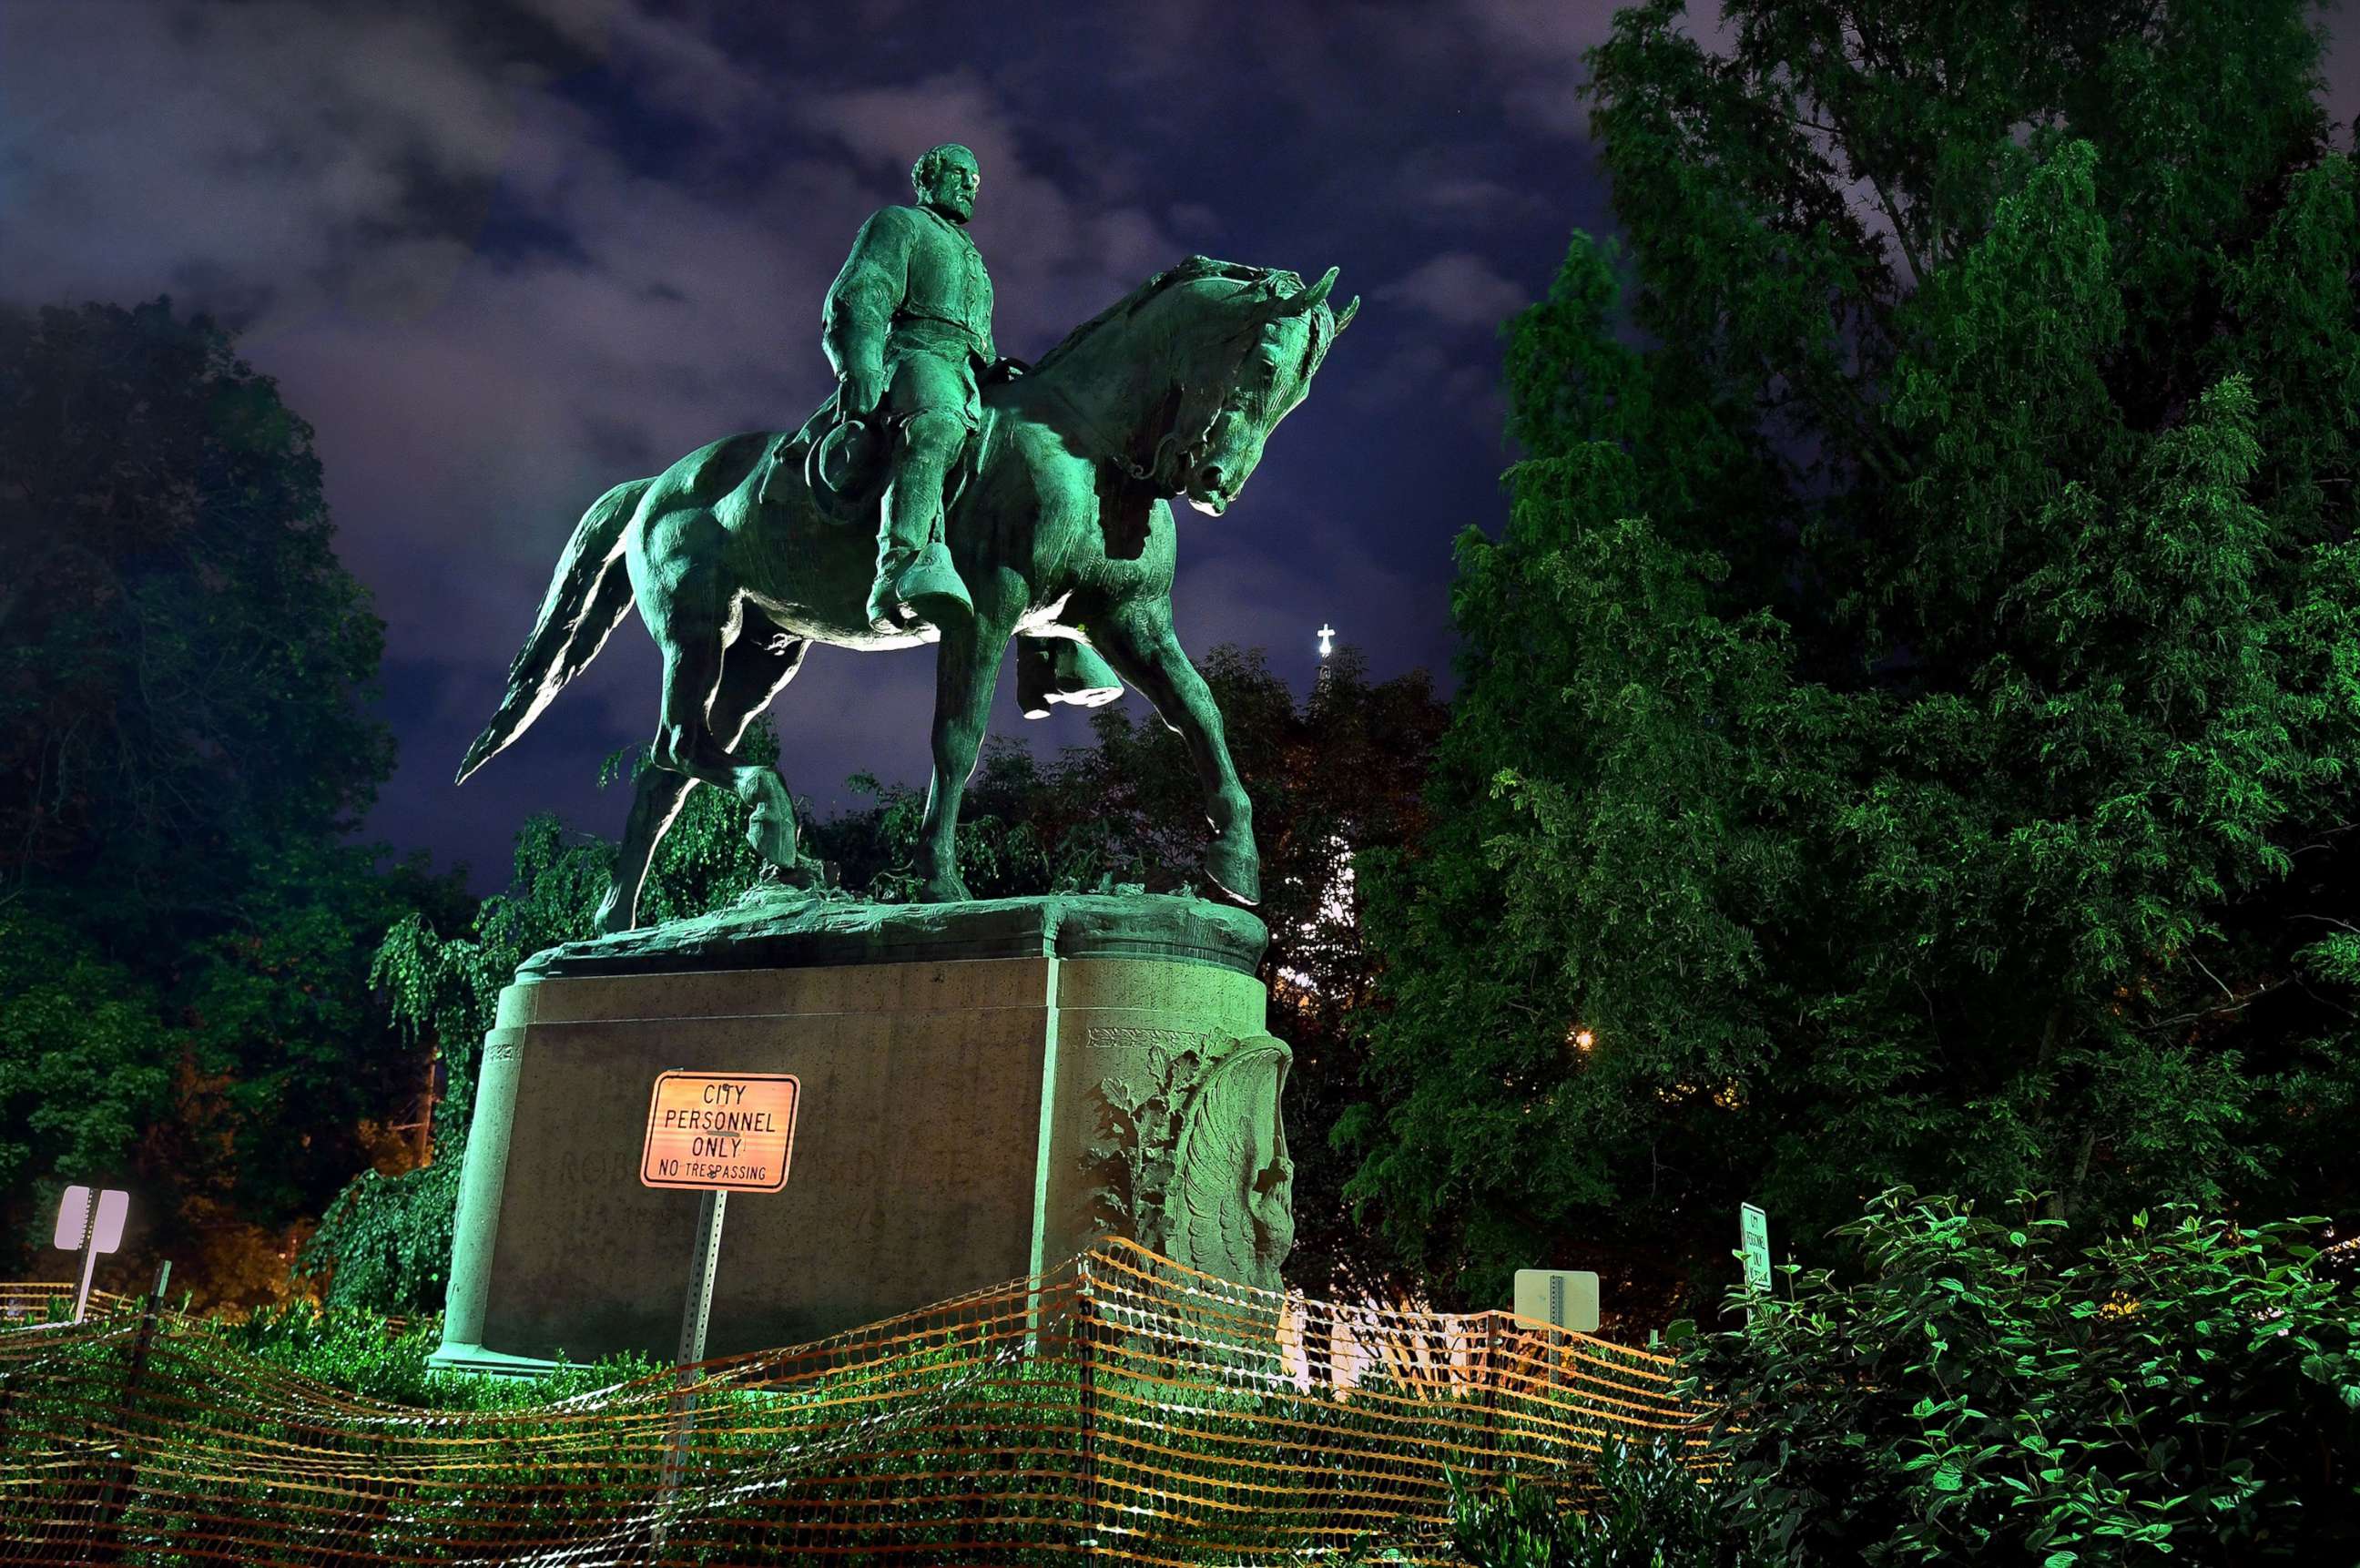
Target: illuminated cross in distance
{"x":1327,"y":640}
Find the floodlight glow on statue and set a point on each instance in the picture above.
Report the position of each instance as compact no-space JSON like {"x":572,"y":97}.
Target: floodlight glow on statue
{"x":1007,"y":505}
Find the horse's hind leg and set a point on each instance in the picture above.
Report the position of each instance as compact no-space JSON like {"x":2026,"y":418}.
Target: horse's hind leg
{"x":1051,"y":670}
{"x":690,"y":613}
{"x":657,"y":795}
{"x":754,"y":669}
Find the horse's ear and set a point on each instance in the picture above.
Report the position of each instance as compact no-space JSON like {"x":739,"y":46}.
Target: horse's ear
{"x":1307,"y":300}
{"x":1344,"y":317}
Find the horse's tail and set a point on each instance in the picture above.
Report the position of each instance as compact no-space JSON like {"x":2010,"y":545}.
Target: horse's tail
{"x":587,"y":599}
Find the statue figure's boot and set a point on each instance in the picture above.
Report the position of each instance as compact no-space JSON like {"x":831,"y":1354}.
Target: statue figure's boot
{"x":1061,"y":670}
{"x":915,"y":580}
{"x":916,"y":589}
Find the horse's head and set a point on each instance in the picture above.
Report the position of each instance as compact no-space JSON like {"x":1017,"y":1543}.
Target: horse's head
{"x":1247,"y":362}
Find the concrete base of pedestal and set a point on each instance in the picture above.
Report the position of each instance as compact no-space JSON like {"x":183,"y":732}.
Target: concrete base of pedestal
{"x":962,"y":1122}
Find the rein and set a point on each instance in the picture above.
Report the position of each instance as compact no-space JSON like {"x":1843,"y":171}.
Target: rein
{"x":1119,"y":451}
{"x":1108,"y":451}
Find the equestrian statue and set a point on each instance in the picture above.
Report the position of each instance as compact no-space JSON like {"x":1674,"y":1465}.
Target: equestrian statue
{"x":1007,"y":504}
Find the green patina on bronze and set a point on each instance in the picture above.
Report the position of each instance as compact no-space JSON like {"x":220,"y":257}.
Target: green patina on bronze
{"x":1055,"y":524}
{"x":907,"y":327}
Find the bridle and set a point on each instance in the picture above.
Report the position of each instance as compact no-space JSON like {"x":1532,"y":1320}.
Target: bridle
{"x":1169,"y":464}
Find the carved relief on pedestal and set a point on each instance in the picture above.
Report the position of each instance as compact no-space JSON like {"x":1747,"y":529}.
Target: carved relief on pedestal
{"x":1190,"y":1159}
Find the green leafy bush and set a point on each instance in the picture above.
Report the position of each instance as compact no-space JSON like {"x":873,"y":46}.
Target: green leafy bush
{"x":1634,"y":1510}
{"x":1991,"y":1392}
{"x":370,"y":1355}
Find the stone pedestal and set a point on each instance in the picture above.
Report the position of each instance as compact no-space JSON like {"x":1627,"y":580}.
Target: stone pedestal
{"x":986,"y":1088}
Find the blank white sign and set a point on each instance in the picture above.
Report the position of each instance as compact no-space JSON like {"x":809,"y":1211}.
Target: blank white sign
{"x":1566,"y":1297}
{"x":73,"y":1214}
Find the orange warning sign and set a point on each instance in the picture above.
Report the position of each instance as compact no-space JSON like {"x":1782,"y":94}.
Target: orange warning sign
{"x":730,"y":1132}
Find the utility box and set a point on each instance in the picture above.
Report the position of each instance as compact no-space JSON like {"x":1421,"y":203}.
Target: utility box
{"x":1561,"y":1298}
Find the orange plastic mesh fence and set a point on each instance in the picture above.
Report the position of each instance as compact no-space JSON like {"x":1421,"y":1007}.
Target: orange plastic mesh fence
{"x":1119,"y":1409}
{"x":38,"y":1303}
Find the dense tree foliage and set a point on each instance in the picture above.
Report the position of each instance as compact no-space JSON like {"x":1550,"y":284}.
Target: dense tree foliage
{"x":1908,"y":725}
{"x":1636,"y":1506}
{"x":184,"y":655}
{"x":1327,"y":776}
{"x":184,"y":665}
{"x":385,"y":1242}
{"x":2185,"y":1390}
{"x":1335,"y":777}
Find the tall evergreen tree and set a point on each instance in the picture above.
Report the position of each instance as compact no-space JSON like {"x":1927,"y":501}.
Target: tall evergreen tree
{"x":1908,"y":727}
{"x":185,"y":668}
{"x":1336,"y":779}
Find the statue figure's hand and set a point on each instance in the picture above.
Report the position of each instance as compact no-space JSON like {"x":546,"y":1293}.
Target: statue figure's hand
{"x":863,"y":389}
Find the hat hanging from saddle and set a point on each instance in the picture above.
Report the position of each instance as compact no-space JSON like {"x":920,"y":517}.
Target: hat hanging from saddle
{"x":845,"y":468}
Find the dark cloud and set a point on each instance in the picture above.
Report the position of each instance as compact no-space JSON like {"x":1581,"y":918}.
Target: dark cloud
{"x":1458,"y":288}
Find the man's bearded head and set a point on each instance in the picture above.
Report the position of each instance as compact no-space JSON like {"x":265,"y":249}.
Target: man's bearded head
{"x":946,"y":179}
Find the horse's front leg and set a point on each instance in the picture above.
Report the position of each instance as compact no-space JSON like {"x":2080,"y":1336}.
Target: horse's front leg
{"x":1138,"y":640}
{"x":967,"y":668}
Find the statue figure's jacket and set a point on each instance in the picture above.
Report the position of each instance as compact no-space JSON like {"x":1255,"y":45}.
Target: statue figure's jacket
{"x":914,"y":284}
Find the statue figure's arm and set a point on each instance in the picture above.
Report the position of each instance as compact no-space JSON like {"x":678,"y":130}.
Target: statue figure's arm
{"x":860,"y":306}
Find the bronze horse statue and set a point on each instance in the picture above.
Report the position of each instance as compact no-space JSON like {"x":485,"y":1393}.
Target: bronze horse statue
{"x":1058,"y":525}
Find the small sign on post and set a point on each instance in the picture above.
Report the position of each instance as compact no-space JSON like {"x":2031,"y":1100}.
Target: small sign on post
{"x":713,"y":1133}
{"x":1564,"y":1298}
{"x":90,"y":1228}
{"x":1753,"y":1240}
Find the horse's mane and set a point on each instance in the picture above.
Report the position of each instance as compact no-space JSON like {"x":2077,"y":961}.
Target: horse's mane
{"x":1194,"y":270}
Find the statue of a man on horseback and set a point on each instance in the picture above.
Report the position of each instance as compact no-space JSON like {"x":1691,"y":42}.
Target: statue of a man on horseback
{"x":1055,"y":537}
{"x":908,"y":331}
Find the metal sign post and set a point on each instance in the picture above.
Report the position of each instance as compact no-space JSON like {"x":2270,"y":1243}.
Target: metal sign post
{"x":122,"y":1476}
{"x":89,"y":1229}
{"x":714,"y":1134}
{"x":704,"y":1258}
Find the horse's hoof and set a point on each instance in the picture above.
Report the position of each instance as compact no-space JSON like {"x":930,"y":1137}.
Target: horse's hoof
{"x":613,"y":917}
{"x":1235,"y":871}
{"x":773,"y":838}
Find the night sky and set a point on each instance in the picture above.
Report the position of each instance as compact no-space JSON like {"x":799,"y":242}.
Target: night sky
{"x":503,"y":254}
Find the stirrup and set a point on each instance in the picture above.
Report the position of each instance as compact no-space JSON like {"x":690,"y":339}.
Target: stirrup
{"x":928,"y":586}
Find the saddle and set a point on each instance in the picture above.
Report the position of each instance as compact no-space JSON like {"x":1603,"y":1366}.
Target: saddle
{"x":845,"y":467}
{"x":845,"y":460}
